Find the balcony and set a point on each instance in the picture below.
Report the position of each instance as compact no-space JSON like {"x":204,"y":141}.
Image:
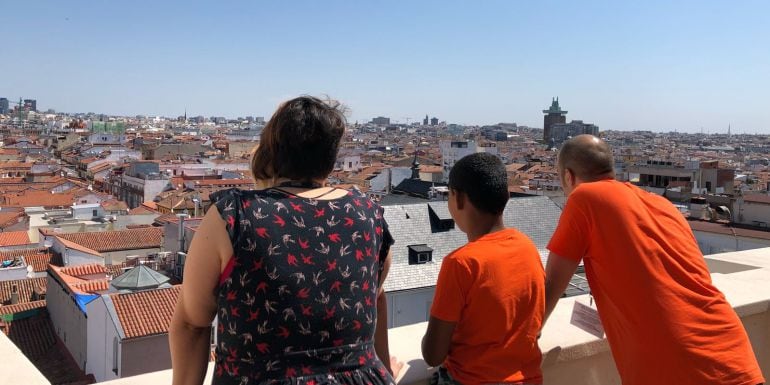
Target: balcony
{"x":570,"y":355}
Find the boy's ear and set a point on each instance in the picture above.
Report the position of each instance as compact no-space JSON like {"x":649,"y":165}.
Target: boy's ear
{"x":460,"y":199}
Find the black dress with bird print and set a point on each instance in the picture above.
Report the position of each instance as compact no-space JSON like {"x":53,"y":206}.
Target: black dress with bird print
{"x":297,"y":301}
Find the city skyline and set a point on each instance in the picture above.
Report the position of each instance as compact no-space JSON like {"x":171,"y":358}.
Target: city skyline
{"x":662,"y":67}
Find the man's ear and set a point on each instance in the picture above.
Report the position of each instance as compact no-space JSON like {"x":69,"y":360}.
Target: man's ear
{"x":569,"y":176}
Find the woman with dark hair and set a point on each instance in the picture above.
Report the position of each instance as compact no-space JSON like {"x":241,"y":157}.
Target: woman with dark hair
{"x":292,"y":271}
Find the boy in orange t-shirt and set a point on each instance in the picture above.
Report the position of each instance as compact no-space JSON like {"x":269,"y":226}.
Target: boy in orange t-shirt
{"x":490,"y":297}
{"x":666,"y":323}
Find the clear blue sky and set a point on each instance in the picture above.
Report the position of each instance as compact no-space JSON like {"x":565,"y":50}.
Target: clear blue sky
{"x":656,"y":65}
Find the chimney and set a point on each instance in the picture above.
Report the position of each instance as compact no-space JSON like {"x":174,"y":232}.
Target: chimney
{"x":14,"y":294}
{"x":181,"y":231}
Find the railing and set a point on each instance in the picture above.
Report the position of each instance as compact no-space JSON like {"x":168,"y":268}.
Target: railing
{"x":570,"y":354}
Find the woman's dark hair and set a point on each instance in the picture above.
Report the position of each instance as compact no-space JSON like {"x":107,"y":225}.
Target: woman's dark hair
{"x":300,"y":141}
{"x":483,"y":178}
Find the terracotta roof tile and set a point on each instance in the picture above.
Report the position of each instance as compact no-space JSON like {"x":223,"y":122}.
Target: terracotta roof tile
{"x":84,"y":270}
{"x":38,"y":257}
{"x":10,"y":218}
{"x":14,"y":238}
{"x":26,"y":288}
{"x":104,"y":241}
{"x":94,"y":286}
{"x":146,"y":312}
{"x":36,"y":338}
{"x":21,"y":307}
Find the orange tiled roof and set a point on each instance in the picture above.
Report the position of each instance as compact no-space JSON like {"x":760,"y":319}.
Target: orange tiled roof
{"x":20,"y":307}
{"x":14,"y":238}
{"x":146,"y":312}
{"x":38,"y":257}
{"x":76,"y":246}
{"x":105,"y":241}
{"x":39,"y":198}
{"x":26,"y":287}
{"x":10,"y":218}
{"x":36,"y":338}
{"x":93,"y":286}
{"x":139,"y":210}
{"x":83,"y":270}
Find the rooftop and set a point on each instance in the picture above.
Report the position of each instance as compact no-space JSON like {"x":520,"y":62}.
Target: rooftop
{"x":147,"y":312}
{"x":106,"y":241}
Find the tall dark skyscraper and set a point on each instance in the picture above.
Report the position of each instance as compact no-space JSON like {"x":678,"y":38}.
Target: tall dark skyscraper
{"x":553,"y":116}
{"x":4,"y":106}
{"x":30,"y":105}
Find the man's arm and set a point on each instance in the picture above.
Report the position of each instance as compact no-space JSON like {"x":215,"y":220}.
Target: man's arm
{"x":558,"y":272}
{"x":437,"y":340}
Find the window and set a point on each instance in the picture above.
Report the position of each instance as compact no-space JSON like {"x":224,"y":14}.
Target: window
{"x":420,"y":254}
{"x":95,"y":213}
{"x":115,"y":355}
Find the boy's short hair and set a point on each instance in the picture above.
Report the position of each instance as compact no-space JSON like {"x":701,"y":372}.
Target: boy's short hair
{"x":482,"y":177}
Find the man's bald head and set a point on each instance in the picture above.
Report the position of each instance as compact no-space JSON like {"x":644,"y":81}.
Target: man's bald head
{"x":588,"y":157}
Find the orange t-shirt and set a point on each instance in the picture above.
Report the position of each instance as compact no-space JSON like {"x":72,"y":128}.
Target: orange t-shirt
{"x":494,"y":289}
{"x":665,"y":321}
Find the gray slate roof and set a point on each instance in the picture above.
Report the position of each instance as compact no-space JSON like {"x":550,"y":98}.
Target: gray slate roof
{"x":535,"y":216}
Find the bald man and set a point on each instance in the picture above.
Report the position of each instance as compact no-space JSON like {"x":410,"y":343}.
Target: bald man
{"x":665,"y":321}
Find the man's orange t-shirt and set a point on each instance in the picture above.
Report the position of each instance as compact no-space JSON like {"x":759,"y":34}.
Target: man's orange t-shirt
{"x":494,"y":289}
{"x":665,"y":321}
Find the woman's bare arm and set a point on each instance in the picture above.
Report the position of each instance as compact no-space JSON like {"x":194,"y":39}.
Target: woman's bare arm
{"x":190,"y":329}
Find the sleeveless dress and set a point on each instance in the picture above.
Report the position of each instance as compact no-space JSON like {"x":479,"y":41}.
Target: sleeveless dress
{"x":297,"y":301}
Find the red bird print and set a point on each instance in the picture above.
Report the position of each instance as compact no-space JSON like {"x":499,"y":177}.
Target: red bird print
{"x":308,"y":260}
{"x":338,"y":342}
{"x":262,"y":232}
{"x":359,"y":255}
{"x":252,"y":316}
{"x":221,"y":327}
{"x":306,"y":310}
{"x":303,"y":293}
{"x":234,"y":371}
{"x":303,"y":244}
{"x":246,"y":204}
{"x":334,"y":237}
{"x":284,"y":332}
{"x":367,"y":236}
{"x":330,"y":312}
{"x":348,"y":222}
{"x":234,"y":311}
{"x":365,"y":286}
{"x":357,"y":202}
{"x":297,"y":207}
{"x":233,"y":352}
{"x":291,"y":372}
{"x":306,"y":370}
{"x":263,"y":347}
{"x":279,"y":220}
{"x":335,"y":286}
{"x":220,"y":371}
{"x":292,"y":259}
{"x":262,"y":286}
{"x":361,"y":360}
{"x":231,"y":221}
{"x":319,"y":212}
{"x":230,"y":296}
{"x":356,"y":324}
{"x":257,"y":265}
{"x":368,"y":251}
{"x":378,"y":230}
{"x":368,"y":301}
{"x":368,"y":204}
{"x":331,"y":265}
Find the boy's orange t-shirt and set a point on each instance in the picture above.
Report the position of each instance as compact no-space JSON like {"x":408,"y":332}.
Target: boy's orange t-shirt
{"x":665,"y":321}
{"x":494,"y":289}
